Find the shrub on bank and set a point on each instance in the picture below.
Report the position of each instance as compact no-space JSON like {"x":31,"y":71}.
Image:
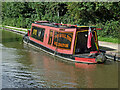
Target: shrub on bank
{"x":17,"y":22}
{"x":110,"y":29}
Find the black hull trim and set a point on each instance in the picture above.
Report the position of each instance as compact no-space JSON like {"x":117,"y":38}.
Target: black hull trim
{"x":51,"y":51}
{"x":48,"y":50}
{"x":68,"y":57}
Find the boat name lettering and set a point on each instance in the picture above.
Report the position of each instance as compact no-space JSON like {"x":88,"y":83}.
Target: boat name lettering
{"x":60,"y":44}
{"x":64,"y":36}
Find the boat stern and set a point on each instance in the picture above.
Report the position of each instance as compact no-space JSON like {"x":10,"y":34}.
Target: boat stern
{"x":93,"y":57}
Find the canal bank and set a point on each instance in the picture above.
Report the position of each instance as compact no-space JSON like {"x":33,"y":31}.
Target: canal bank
{"x":112,"y":49}
{"x":22,"y":31}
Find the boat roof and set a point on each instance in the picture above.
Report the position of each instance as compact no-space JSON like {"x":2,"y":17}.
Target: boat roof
{"x":59,"y":25}
{"x":92,"y":26}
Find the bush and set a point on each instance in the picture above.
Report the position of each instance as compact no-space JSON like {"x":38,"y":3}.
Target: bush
{"x":17,"y":22}
{"x":110,"y":29}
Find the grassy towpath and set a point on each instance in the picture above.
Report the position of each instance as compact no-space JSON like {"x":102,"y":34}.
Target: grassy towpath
{"x":109,"y":39}
{"x":21,"y":29}
{"x":15,"y":29}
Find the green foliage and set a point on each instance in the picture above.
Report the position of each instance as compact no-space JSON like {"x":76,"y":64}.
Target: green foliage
{"x":102,"y":14}
{"x":110,"y":29}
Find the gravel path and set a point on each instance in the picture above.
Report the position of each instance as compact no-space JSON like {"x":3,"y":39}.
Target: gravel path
{"x":110,"y":45}
{"x":111,"y":48}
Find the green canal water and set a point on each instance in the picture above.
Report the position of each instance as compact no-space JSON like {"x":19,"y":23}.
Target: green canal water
{"x":26,"y":67}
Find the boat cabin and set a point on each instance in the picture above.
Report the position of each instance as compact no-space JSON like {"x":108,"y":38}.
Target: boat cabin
{"x":63,"y":38}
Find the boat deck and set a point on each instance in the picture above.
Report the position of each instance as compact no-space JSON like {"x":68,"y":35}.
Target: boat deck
{"x":80,"y":55}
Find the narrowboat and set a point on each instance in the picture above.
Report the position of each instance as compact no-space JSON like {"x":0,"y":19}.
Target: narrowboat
{"x":70,"y":42}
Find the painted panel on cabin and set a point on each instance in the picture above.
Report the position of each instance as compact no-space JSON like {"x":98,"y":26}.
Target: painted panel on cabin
{"x":63,"y":40}
{"x":46,"y":39}
{"x":38,"y":33}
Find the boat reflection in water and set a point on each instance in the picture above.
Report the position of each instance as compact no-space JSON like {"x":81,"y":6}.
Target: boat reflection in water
{"x":86,"y":66}
{"x":55,"y":72}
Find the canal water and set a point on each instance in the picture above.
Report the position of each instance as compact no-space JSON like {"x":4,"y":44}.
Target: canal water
{"x":26,"y":67}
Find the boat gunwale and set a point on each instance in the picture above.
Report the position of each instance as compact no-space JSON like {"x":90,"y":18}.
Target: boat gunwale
{"x":68,"y":59}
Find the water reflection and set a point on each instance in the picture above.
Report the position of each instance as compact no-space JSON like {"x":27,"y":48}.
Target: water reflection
{"x":26,"y":67}
{"x":86,"y":66}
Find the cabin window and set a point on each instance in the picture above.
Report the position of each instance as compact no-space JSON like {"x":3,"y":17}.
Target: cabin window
{"x":38,"y":33}
{"x":50,"y":37}
{"x":81,"y":43}
{"x":63,"y":40}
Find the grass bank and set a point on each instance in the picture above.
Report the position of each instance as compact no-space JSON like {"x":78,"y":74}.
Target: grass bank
{"x":109,"y":39}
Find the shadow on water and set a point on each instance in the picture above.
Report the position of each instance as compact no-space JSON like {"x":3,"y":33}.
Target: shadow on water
{"x":27,"y":67}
